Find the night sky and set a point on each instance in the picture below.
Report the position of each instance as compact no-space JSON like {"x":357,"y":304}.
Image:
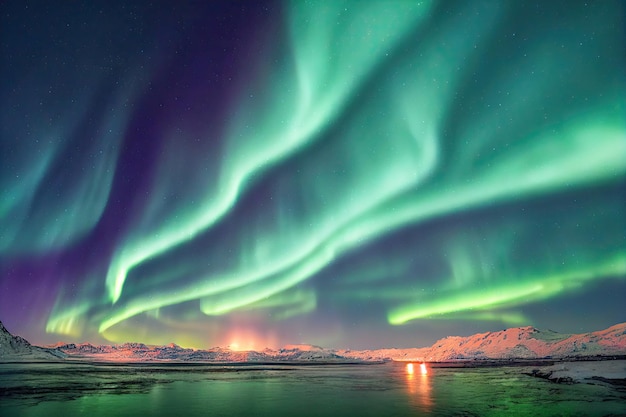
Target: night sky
{"x":343,"y":173}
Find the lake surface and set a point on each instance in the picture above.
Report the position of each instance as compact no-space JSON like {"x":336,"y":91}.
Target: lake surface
{"x":314,"y":390}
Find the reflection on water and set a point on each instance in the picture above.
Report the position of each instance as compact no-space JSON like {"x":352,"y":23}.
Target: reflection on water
{"x":400,"y":389}
{"x":423,"y":369}
{"x":418,"y":387}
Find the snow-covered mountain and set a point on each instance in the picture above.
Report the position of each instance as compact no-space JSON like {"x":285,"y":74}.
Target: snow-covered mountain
{"x":172,"y":352}
{"x":141,"y":352}
{"x":515,"y":343}
{"x":16,"y":348}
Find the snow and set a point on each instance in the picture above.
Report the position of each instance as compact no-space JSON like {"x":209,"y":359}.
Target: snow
{"x":514,"y":343}
{"x":612,"y":372}
{"x":584,"y":370}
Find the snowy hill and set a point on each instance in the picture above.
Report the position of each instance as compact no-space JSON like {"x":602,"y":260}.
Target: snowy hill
{"x":514,"y":343}
{"x":16,"y":348}
{"x":139,"y":352}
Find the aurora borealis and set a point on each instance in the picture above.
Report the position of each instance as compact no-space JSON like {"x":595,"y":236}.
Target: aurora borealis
{"x":343,"y":173}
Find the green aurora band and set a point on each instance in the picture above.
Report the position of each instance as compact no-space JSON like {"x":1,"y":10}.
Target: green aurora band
{"x":463,"y":130}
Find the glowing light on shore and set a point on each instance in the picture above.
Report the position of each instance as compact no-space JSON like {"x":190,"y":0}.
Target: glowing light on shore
{"x":410,"y":369}
{"x":423,"y":369}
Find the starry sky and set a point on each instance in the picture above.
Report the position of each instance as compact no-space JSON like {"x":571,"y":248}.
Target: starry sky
{"x":353,"y":174}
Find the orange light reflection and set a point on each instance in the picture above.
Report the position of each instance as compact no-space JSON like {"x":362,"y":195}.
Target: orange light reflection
{"x":418,"y":387}
{"x":409,"y":368}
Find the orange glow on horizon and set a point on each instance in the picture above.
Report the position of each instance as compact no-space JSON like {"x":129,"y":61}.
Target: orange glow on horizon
{"x":246,"y":339}
{"x":242,"y":345}
{"x":423,"y":369}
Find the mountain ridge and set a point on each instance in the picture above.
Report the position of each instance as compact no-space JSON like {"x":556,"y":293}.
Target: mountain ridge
{"x":514,"y":343}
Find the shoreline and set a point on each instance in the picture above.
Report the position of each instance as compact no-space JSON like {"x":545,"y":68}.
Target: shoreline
{"x":612,"y":373}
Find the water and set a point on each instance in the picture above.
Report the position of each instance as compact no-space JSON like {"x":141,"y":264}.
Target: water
{"x":332,"y":390}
